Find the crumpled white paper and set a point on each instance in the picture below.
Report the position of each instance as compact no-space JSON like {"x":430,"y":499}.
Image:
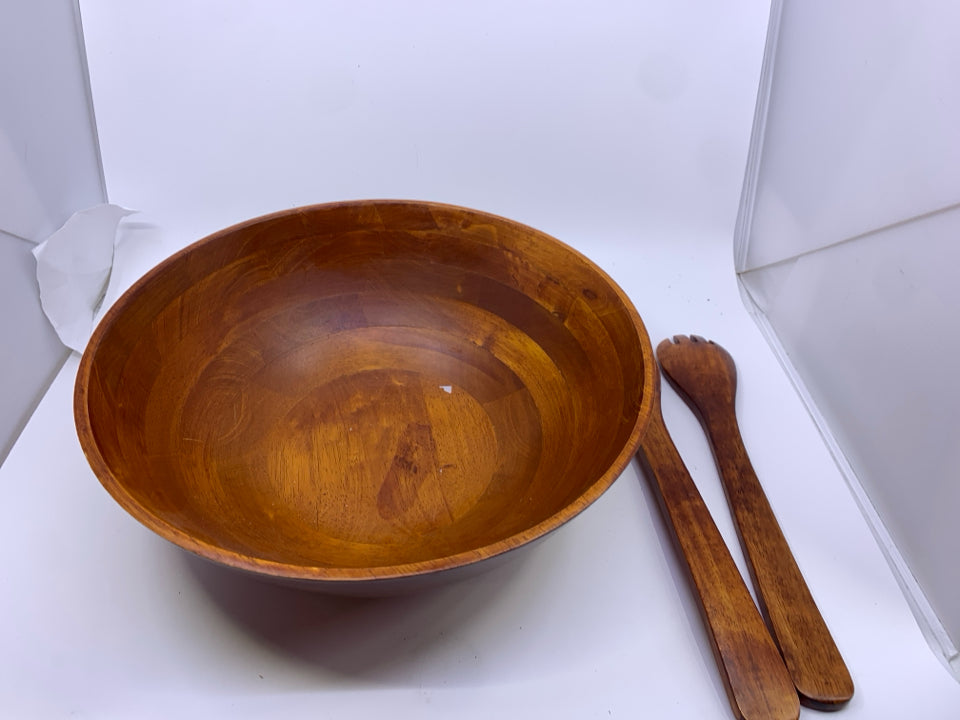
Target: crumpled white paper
{"x":73,"y":268}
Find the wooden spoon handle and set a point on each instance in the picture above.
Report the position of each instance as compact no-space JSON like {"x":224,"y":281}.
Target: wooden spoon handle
{"x":811,"y":655}
{"x":757,"y":683}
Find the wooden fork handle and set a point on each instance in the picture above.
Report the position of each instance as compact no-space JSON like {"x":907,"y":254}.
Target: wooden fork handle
{"x":811,"y":655}
{"x":757,"y":683}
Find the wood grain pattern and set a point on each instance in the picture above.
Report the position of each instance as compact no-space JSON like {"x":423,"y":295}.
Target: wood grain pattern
{"x":364,"y":391}
{"x":756,"y":680}
{"x":705,"y":375}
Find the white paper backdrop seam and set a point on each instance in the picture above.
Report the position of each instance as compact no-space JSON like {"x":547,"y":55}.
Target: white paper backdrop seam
{"x":74,"y":266}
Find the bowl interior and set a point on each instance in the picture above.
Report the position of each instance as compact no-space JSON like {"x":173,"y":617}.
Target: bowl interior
{"x":364,"y":388}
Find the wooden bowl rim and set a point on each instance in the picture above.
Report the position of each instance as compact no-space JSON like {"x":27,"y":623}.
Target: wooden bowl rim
{"x":348,"y":575}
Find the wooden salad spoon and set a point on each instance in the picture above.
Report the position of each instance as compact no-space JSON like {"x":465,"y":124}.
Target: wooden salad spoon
{"x":756,"y":680}
{"x":705,"y":376}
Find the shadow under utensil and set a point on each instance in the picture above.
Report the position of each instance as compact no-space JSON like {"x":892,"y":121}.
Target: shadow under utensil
{"x":400,"y":640}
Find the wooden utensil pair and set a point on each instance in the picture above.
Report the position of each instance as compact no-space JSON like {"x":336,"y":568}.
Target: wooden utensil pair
{"x":762,"y":681}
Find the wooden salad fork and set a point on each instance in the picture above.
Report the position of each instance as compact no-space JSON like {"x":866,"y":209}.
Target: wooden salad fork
{"x":756,"y":680}
{"x":705,"y":376}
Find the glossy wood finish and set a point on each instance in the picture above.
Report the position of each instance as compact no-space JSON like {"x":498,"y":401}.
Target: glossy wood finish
{"x":705,"y":375}
{"x":757,"y":683}
{"x":361,"y":392}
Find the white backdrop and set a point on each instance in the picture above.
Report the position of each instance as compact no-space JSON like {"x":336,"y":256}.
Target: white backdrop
{"x":848,"y":247}
{"x":620,"y":127}
{"x":604,"y":119}
{"x":49,"y":168}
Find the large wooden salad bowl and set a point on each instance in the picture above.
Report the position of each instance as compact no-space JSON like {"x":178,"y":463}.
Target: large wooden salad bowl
{"x":365,"y":395}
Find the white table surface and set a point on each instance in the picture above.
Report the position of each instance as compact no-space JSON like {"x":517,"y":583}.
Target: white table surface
{"x":99,"y":618}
